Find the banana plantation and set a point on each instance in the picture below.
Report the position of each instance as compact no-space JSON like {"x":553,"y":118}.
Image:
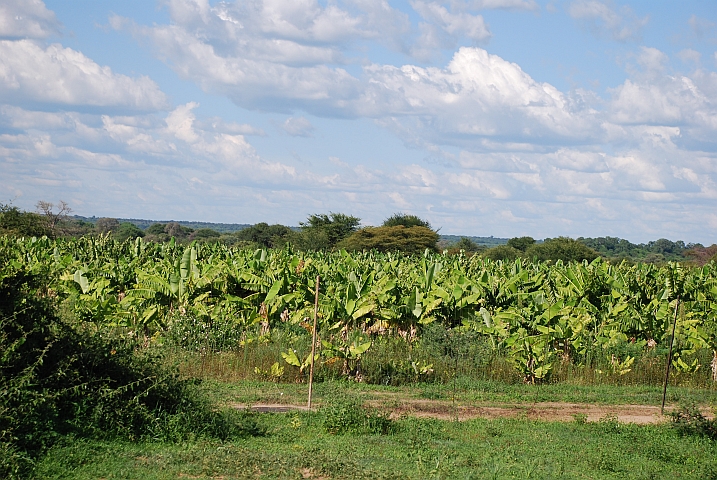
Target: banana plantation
{"x":536,"y":315}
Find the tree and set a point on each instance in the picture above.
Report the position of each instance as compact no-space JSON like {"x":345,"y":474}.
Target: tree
{"x":127,"y":230}
{"x":466,"y":244}
{"x":502,"y":252}
{"x":268,"y":236}
{"x":155,"y":229}
{"x":334,"y":226}
{"x":205,"y":235}
{"x":53,"y":218}
{"x":174,"y":229}
{"x":14,"y":221}
{"x":405,"y":220}
{"x":521,"y":243}
{"x":412,"y":240}
{"x":561,"y":248}
{"x":107,"y":225}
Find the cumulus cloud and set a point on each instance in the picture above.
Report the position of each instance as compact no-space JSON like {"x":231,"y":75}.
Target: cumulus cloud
{"x":30,"y":73}
{"x":601,"y":18}
{"x":657,"y":98}
{"x":297,"y":127}
{"x":26,"y":19}
{"x":476,"y":94}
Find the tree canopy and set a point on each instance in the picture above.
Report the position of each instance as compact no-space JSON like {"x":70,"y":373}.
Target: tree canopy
{"x":268,"y":236}
{"x":521,"y":243}
{"x":561,"y":248}
{"x":326,"y":231}
{"x":14,"y":221}
{"x":405,"y":220}
{"x":412,"y":240}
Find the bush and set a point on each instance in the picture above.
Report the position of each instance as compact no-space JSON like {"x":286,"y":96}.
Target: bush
{"x":57,"y":380}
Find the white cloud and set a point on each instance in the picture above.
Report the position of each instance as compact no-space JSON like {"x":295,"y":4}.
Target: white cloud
{"x":338,"y":162}
{"x":62,"y":76}
{"x":476,"y":94}
{"x":443,"y":29}
{"x":458,"y":25}
{"x":690,"y":56}
{"x":297,"y":127}
{"x":700,"y":26}
{"x":26,"y":19}
{"x":601,"y":18}
{"x":655,"y":97}
{"x":494,"y":4}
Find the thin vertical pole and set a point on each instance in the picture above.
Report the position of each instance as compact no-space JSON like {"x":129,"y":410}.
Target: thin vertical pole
{"x":313,"y":341}
{"x":669,"y":358}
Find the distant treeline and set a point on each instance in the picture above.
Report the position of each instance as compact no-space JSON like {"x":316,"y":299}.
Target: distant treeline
{"x":145,"y":224}
{"x":400,"y":232}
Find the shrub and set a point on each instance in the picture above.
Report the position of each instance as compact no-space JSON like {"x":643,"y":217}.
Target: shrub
{"x":57,"y":380}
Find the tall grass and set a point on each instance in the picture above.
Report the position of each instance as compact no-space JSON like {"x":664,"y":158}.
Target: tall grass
{"x":436,"y":356}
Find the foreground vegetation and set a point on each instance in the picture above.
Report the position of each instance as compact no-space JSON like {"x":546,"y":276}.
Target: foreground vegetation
{"x":539,"y":316}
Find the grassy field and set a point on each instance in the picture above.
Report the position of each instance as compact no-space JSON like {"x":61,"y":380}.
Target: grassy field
{"x":296,"y":445}
{"x":335,"y":441}
{"x":467,"y":391}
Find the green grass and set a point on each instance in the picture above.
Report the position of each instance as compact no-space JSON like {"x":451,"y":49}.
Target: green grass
{"x":297,"y":446}
{"x":467,"y":391}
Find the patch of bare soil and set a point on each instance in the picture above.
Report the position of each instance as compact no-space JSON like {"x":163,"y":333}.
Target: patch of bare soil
{"x":545,"y":411}
{"x":267,"y":407}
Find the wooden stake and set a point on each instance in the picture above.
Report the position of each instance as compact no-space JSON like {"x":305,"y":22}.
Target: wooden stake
{"x":313,"y":342}
{"x":669,"y":358}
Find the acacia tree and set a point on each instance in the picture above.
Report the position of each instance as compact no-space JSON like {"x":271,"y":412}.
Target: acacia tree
{"x":405,"y":220}
{"x":334,"y":227}
{"x":414,"y":240}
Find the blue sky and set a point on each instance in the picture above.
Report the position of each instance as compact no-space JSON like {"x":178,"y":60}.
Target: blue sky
{"x":485,"y":117}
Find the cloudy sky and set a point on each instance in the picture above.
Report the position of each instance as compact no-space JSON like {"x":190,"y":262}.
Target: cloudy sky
{"x":485,"y":117}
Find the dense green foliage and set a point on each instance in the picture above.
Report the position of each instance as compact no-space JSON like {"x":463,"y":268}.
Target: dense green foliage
{"x":654,"y":251}
{"x":521,"y":243}
{"x":562,"y":248}
{"x":57,"y":379}
{"x":405,"y":220}
{"x":409,"y":240}
{"x":14,"y":221}
{"x":265,"y":235}
{"x":322,"y":231}
{"x":534,"y":313}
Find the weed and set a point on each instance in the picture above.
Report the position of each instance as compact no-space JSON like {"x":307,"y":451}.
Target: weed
{"x":580,"y":418}
{"x":347,"y":416}
{"x":688,"y":420}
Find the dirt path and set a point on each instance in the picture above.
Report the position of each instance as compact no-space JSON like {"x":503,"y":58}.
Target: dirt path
{"x":546,"y":411}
